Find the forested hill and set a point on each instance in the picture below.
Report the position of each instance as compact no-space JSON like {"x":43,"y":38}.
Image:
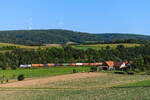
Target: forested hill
{"x":39,"y":37}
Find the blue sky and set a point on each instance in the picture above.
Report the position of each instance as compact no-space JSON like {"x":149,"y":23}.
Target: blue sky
{"x":95,"y":16}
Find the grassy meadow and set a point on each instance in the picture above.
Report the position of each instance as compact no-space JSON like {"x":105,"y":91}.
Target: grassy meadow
{"x":40,"y":72}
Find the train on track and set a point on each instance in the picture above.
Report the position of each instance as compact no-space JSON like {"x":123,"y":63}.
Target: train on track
{"x":63,"y":64}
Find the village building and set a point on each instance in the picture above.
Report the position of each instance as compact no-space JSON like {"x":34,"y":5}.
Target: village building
{"x":110,"y":65}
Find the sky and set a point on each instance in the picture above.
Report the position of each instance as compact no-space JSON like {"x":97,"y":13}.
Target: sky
{"x":94,"y":16}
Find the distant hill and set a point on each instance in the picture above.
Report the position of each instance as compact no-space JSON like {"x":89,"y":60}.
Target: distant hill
{"x":120,"y":36}
{"x":54,"y":36}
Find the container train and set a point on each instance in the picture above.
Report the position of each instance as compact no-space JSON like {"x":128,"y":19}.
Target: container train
{"x":63,"y":64}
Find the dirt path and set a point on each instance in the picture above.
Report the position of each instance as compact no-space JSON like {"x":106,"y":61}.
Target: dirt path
{"x":41,"y":81}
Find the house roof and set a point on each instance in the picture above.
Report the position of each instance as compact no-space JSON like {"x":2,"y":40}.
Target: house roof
{"x":110,"y":63}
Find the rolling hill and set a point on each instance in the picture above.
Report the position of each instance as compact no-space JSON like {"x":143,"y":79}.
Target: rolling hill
{"x":40,"y":37}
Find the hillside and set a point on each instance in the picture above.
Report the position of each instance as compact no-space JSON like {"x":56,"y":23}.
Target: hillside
{"x":40,"y":37}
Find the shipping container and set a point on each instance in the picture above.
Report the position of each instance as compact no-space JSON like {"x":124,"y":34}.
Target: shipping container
{"x":45,"y":65}
{"x":56,"y":64}
{"x":29,"y":65}
{"x":41,"y":65}
{"x":72,"y":64}
{"x":35,"y":65}
{"x":65,"y":64}
{"x":51,"y":64}
{"x":79,"y":64}
{"x":59,"y":64}
{"x":99,"y":63}
{"x":91,"y":64}
{"x":95,"y":64}
{"x":86,"y":64}
{"x":25,"y":66}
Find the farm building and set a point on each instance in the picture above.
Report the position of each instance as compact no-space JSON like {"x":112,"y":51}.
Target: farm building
{"x":122,"y":65}
{"x":110,"y":65}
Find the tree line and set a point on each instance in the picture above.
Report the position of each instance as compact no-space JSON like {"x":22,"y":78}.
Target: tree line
{"x":140,"y":55}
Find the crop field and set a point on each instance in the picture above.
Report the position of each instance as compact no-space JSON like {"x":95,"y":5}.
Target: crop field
{"x":3,"y":47}
{"x":100,"y":46}
{"x":84,"y":47}
{"x":106,"y":87}
{"x":17,"y":45}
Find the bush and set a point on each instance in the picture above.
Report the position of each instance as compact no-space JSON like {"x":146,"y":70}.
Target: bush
{"x":20,"y":77}
{"x":3,"y":68}
{"x":74,"y":71}
{"x":93,"y":69}
{"x":13,"y":67}
{"x":6,"y":80}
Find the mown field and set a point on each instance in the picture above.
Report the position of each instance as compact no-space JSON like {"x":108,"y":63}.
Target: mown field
{"x":84,"y":47}
{"x":17,"y":45}
{"x":100,"y":46}
{"x":108,"y":87}
{"x":7,"y":47}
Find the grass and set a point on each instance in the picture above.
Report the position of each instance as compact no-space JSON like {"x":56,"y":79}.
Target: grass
{"x":99,"y":94}
{"x":41,"y":72}
{"x":145,"y":83}
{"x":100,"y":46}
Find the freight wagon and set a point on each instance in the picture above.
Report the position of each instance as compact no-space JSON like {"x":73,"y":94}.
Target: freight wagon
{"x":63,"y":64}
{"x":25,"y":66}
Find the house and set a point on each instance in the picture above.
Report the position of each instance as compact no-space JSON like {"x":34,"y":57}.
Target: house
{"x":121,"y":65}
{"x":110,"y":65}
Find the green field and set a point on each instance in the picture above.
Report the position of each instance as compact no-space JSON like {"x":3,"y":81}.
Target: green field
{"x":100,"y":46}
{"x":41,"y":72}
{"x":108,"y":87}
{"x":145,"y":83}
{"x":96,"y":46}
{"x":3,"y":47}
{"x":17,"y":45}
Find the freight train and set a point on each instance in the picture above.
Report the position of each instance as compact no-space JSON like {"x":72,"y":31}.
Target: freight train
{"x":63,"y":64}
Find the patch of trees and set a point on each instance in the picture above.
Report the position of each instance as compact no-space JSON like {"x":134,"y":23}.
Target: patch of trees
{"x":137,"y":41}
